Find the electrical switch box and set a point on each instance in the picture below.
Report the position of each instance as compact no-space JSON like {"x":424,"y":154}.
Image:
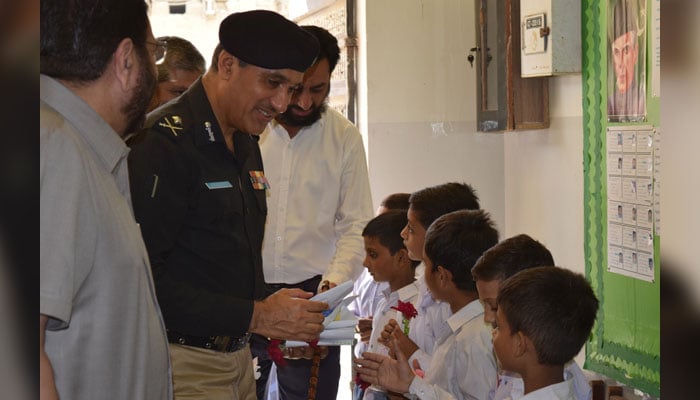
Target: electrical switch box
{"x":550,"y":37}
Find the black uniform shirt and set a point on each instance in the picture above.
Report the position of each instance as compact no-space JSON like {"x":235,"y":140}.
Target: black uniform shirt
{"x":202,"y":216}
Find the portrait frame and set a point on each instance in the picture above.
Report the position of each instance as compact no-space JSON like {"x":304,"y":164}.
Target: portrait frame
{"x":627,"y":61}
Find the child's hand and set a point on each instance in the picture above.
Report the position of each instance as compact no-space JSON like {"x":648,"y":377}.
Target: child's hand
{"x":394,"y":375}
{"x":385,"y":336}
{"x":406,"y":345}
{"x":364,"y":328}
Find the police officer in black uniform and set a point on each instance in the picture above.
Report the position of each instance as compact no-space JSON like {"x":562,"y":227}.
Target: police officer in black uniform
{"x":198,"y":191}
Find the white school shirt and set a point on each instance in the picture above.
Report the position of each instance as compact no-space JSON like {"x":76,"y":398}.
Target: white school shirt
{"x":430,"y":325}
{"x":382,"y":314}
{"x":511,"y":385}
{"x":463,"y":365}
{"x":368,"y":292}
{"x":318,"y":202}
{"x":559,"y":391}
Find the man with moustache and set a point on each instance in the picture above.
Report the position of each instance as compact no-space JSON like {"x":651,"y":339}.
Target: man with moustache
{"x":180,"y":68}
{"x":627,"y":99}
{"x":319,"y":202}
{"x":199,"y":193}
{"x":101,"y":332}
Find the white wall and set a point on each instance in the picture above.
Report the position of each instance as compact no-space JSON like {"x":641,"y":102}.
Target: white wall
{"x":418,"y":75}
{"x":420,"y":97}
{"x":544,"y":177}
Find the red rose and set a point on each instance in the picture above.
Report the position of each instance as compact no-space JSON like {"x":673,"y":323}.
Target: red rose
{"x":406,"y":309}
{"x":408,"y":312}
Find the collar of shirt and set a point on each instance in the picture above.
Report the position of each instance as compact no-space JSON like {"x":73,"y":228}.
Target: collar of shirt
{"x":389,"y":298}
{"x":427,"y":299}
{"x":561,"y":390}
{"x":404,"y":294}
{"x":208,"y":130}
{"x":208,"y":126}
{"x":408,"y":292}
{"x":465,"y":314}
{"x":104,"y":141}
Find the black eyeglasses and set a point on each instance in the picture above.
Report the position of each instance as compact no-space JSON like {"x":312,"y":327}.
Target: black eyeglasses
{"x":161,"y":49}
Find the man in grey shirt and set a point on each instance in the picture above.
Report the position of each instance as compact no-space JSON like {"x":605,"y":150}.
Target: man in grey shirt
{"x":101,"y":332}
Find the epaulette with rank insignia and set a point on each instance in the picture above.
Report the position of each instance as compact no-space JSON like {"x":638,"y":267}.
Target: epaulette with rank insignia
{"x":169,"y":123}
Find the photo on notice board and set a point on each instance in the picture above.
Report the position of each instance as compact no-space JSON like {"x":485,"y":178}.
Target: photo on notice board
{"x":627,"y":60}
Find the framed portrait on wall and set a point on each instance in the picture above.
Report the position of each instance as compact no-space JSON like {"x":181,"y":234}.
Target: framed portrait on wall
{"x":627,"y":38}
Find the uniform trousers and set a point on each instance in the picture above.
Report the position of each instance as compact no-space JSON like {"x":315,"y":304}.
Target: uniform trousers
{"x":201,"y":374}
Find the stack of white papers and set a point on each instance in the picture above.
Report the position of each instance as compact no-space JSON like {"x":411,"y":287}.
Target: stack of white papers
{"x":339,"y":325}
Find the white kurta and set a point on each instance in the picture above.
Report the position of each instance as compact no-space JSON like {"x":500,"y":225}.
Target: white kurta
{"x":318,"y":203}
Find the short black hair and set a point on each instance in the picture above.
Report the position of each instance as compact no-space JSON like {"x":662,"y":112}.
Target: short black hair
{"x":79,"y":37}
{"x":215,"y":58}
{"x":456,"y":240}
{"x":387,"y":228}
{"x":396,"y":201}
{"x":554,"y":307}
{"x":511,"y":256}
{"x":181,"y":55}
{"x":434,"y":201}
{"x":329,"y":49}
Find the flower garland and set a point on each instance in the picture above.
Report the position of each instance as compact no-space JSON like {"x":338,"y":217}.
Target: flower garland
{"x":275,"y":351}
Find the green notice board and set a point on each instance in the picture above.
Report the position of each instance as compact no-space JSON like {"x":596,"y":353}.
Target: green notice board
{"x":625,"y":341}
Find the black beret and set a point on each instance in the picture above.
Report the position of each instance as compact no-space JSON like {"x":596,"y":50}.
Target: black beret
{"x":268,"y":40}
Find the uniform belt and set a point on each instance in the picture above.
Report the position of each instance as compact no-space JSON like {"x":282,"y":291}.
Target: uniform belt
{"x":309,"y":285}
{"x":224,"y":344}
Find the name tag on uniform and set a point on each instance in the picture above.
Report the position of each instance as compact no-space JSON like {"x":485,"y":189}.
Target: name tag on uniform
{"x":257,"y":178}
{"x":218,"y":185}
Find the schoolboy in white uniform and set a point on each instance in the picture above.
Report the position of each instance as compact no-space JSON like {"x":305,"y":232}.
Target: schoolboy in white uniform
{"x":387,"y":261}
{"x":496,"y":265}
{"x":463,"y":366}
{"x":544,"y":317}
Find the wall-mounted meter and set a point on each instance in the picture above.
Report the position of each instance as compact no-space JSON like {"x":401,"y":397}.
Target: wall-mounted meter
{"x":550,"y":37}
{"x":535,"y":32}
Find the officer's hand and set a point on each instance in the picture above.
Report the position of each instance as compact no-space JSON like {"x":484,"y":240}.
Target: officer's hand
{"x":393,"y":374}
{"x":287,"y":314}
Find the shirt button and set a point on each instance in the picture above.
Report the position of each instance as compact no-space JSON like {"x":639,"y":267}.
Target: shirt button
{"x":279,"y":238}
